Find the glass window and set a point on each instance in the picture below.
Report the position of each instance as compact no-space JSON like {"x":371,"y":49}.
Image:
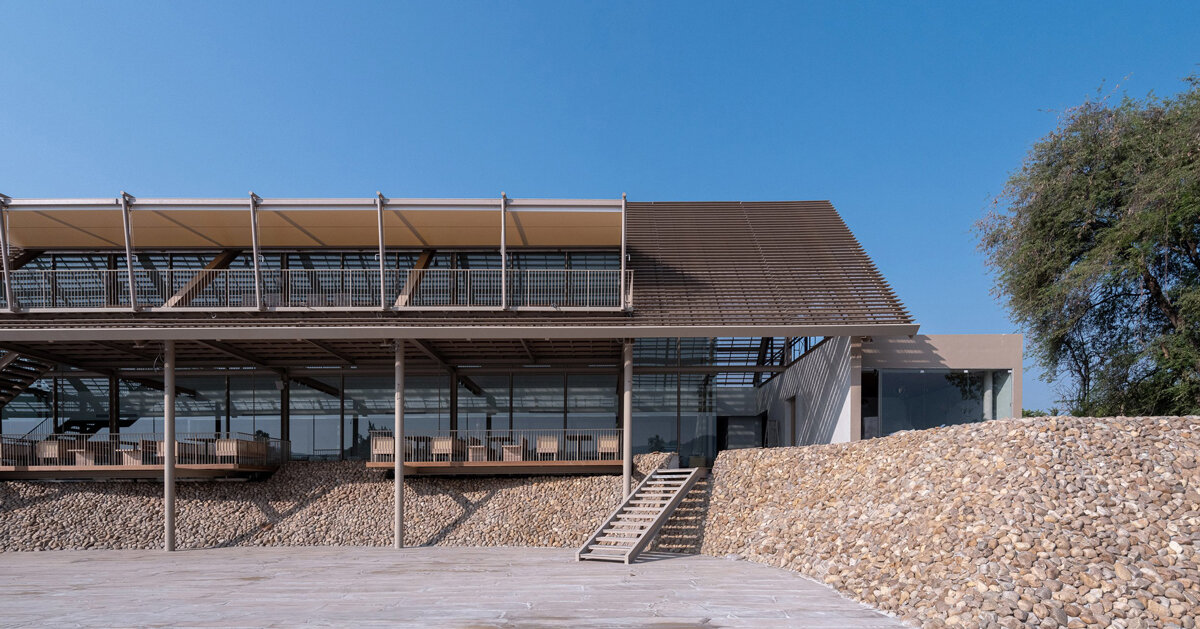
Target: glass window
{"x":483,"y":403}
{"x":538,"y":401}
{"x":913,"y":400}
{"x":655,"y":413}
{"x":592,"y":401}
{"x":697,"y":420}
{"x":369,"y":406}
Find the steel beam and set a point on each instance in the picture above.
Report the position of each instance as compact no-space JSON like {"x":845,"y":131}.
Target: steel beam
{"x":413,"y":281}
{"x":366,"y":329}
{"x":168,"y":445}
{"x":332,"y":351}
{"x":83,"y":366}
{"x":202,"y":279}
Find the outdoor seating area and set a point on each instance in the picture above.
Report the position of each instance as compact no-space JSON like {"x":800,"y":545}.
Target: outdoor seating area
{"x":135,"y":455}
{"x":561,"y":451}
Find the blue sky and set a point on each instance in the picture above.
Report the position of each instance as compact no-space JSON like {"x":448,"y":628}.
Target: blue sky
{"x":908,"y":116}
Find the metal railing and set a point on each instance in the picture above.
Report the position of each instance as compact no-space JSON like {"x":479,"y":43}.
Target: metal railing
{"x":140,"y":450}
{"x":482,"y":446}
{"x":322,"y":289}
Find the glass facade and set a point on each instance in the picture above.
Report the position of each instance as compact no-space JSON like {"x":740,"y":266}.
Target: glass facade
{"x":899,"y":399}
{"x":675,"y":410}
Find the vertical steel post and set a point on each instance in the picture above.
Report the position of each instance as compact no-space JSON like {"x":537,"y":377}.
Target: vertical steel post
{"x":379,"y":202}
{"x":398,"y":452}
{"x":168,"y":445}
{"x":254,"y":199}
{"x":503,"y":251}
{"x":125,"y":201}
{"x":8,"y":291}
{"x":627,"y":415}
{"x":623,"y":304}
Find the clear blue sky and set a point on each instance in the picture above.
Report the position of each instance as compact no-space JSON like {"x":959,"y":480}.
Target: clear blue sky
{"x":908,"y":116}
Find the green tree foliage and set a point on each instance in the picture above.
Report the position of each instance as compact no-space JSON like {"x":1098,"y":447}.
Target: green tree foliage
{"x":1094,"y":245}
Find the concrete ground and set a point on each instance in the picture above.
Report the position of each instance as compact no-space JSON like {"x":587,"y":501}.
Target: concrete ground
{"x":421,"y":587}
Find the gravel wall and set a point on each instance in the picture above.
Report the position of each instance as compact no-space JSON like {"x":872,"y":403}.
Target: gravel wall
{"x":1045,"y":522}
{"x":312,"y":504}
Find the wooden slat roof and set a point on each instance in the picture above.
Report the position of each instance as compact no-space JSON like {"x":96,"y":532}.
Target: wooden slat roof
{"x":702,"y":269}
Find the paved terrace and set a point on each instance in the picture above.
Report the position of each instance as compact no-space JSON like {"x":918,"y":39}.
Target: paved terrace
{"x":424,"y":587}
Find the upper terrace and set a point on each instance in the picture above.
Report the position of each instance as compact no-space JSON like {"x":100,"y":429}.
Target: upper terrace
{"x":255,"y":254}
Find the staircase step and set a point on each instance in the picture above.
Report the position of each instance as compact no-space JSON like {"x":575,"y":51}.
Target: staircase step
{"x":620,"y":541}
{"x":602,"y":548}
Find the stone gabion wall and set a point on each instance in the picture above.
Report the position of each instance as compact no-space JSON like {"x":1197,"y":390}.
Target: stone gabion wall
{"x":1048,"y":522}
{"x":312,"y":504}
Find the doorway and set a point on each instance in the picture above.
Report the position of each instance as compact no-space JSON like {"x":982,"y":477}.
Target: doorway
{"x":741,"y":431}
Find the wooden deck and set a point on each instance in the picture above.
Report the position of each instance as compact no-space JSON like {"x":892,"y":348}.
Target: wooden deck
{"x":524,"y":468}
{"x":117,"y":472}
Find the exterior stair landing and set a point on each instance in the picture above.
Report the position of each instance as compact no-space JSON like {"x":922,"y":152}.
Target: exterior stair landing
{"x":628,"y":531}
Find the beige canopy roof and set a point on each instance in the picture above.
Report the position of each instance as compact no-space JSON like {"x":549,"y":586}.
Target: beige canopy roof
{"x":73,"y":224}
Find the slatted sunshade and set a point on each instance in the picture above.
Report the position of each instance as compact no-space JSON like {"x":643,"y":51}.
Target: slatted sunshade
{"x":95,"y":224}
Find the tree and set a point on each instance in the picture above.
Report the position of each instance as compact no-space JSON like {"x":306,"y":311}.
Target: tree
{"x":1094,"y":246}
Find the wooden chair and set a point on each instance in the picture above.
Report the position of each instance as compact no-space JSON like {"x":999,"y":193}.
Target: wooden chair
{"x":514,"y":451}
{"x":546,"y":445}
{"x":448,"y":447}
{"x":608,"y":445}
{"x":383,"y":448}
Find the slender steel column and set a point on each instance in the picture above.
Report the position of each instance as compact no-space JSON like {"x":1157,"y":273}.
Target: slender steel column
{"x":379,"y":201}
{"x":627,"y":415}
{"x":254,"y":199}
{"x":169,"y":445}
{"x":126,"y":199}
{"x":623,"y":303}
{"x":503,"y":251}
{"x":398,"y":444}
{"x":8,"y":291}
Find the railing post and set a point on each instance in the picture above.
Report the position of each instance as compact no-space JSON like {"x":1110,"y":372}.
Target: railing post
{"x":126,"y":199}
{"x":254,"y":200}
{"x":9,"y":299}
{"x":379,"y":203}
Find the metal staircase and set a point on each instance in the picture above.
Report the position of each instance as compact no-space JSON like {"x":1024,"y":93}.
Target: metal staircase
{"x":17,"y":373}
{"x":632,"y":526}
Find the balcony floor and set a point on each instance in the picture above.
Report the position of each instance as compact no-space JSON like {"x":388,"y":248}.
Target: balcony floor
{"x":459,"y":468}
{"x":120,"y":472}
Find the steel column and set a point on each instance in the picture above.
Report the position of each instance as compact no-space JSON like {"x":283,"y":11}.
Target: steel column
{"x":379,"y":202}
{"x":254,"y":199}
{"x":125,"y":200}
{"x":623,"y":304}
{"x":398,"y":449}
{"x":168,"y":445}
{"x":503,"y":251}
{"x":8,"y":291}
{"x":627,"y":416}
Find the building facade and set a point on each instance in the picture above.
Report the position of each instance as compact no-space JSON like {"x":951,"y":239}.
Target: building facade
{"x":500,"y":335}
